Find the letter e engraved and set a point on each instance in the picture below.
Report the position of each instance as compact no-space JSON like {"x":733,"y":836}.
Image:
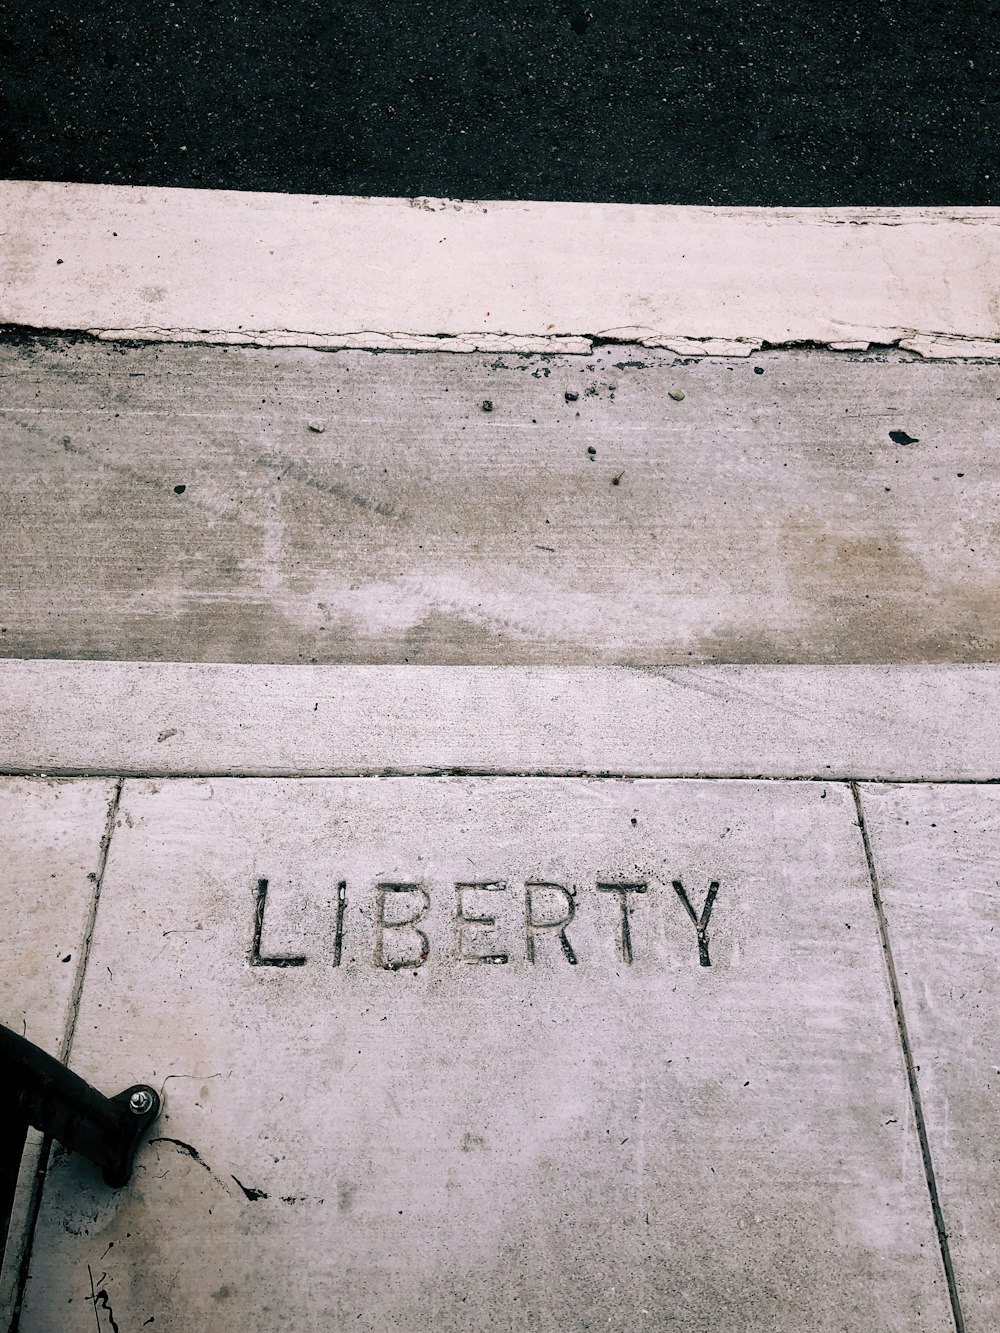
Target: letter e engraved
{"x":623,"y":890}
{"x":382,"y":893}
{"x":534,"y":925}
{"x":700,"y":923}
{"x":254,"y":956}
{"x":463,"y":918}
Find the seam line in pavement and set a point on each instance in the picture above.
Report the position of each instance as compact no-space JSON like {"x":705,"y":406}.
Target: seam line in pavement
{"x":69,"y":1030}
{"x":466,"y":771}
{"x":911,"y":1070}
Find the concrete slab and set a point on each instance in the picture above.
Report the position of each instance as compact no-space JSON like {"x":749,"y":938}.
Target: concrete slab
{"x":293,"y":506}
{"x":433,"y":1059}
{"x":184,"y":719}
{"x":937,"y":851}
{"x":51,"y":836}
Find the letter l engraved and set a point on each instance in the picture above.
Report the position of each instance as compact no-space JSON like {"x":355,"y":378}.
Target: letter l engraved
{"x":700,"y":923}
{"x":254,"y":957}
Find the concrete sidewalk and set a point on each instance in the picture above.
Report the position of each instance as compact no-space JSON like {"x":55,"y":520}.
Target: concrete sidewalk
{"x":532,"y":812}
{"x":730,"y":1062}
{"x":439,"y":682}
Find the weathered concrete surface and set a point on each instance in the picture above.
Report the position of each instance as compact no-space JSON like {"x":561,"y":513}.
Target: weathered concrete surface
{"x":937,"y":850}
{"x":207,"y":504}
{"x":654,"y":1144}
{"x":50,"y":850}
{"x":153,"y":718}
{"x":106,"y":257}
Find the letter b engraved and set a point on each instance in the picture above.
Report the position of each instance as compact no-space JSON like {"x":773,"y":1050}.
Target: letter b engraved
{"x":385,"y":893}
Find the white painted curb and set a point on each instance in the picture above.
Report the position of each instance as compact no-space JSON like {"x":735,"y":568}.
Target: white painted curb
{"x":280,"y":270}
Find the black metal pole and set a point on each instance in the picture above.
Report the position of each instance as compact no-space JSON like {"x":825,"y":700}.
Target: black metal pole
{"x":35,"y":1089}
{"x":13,"y":1132}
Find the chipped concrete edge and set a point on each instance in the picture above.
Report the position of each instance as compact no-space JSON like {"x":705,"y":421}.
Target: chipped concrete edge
{"x":366,"y":341}
{"x":928,"y":346}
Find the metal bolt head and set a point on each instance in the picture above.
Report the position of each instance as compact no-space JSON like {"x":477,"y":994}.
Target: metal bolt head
{"x":140,"y":1102}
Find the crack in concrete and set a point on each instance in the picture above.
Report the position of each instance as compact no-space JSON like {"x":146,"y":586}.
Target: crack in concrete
{"x":929,"y":344}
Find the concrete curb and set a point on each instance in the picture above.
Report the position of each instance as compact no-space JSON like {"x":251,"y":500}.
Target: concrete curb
{"x":222,"y":266}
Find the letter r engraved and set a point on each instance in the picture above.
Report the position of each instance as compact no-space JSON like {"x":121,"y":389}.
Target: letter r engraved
{"x":533,"y":925}
{"x":382,"y":893}
{"x":700,"y":923}
{"x":463,"y":919}
{"x":623,"y":890}
{"x":254,"y":957}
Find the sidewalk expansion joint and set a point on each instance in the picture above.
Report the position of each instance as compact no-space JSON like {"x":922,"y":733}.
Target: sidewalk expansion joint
{"x":88,"y":933}
{"x":911,"y":1069}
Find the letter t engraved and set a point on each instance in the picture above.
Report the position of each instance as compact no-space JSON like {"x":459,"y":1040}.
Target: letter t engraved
{"x":254,"y":957}
{"x":700,"y":923}
{"x":623,"y":890}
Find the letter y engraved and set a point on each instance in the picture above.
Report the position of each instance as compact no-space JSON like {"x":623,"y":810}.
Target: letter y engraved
{"x":700,"y":922}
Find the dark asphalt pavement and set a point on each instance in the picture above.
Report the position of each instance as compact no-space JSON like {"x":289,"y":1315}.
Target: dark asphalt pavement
{"x":814,"y":103}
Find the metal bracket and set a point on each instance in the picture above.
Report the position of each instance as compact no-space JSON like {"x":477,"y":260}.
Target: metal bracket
{"x":36,"y":1090}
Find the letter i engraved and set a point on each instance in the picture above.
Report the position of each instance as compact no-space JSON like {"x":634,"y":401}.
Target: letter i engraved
{"x":255,"y":958}
{"x":338,"y":937}
{"x":700,"y":922}
{"x":625,"y":936}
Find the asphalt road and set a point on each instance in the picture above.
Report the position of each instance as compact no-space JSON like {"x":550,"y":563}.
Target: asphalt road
{"x":652,"y":101}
